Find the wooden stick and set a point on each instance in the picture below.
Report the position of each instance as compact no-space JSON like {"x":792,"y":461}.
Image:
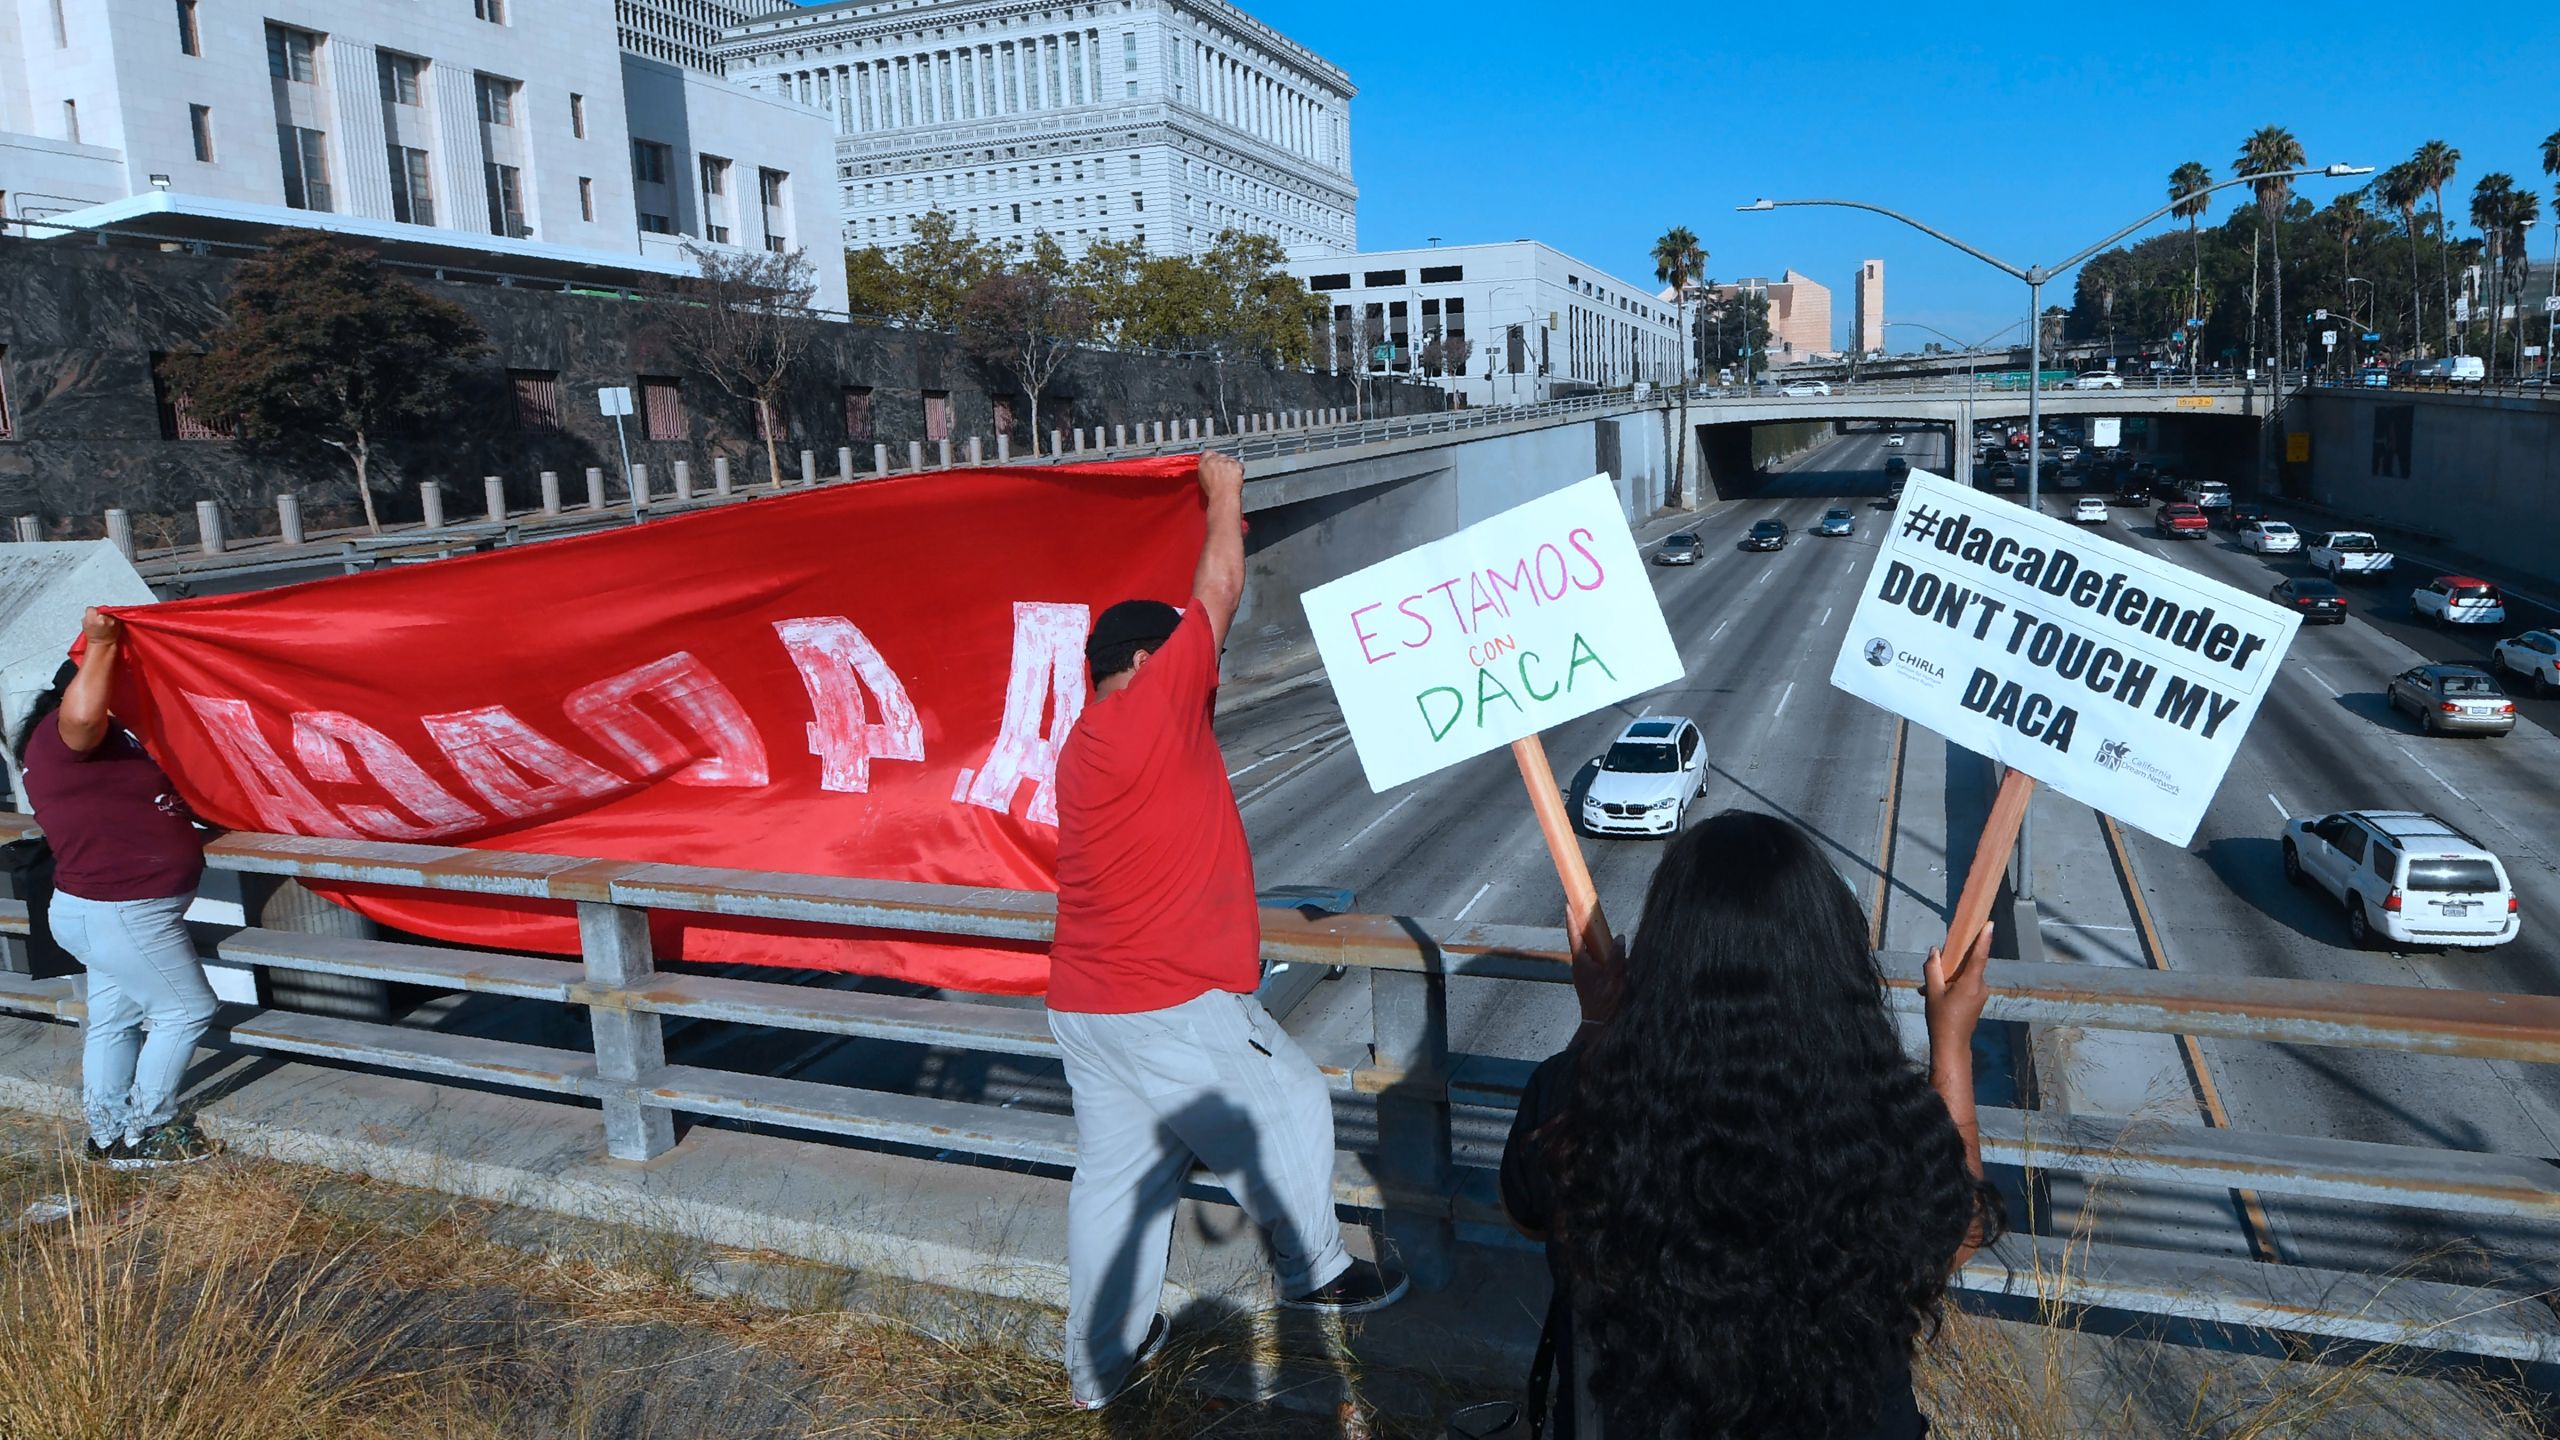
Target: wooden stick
{"x":1585,"y":925}
{"x":1990,"y":862}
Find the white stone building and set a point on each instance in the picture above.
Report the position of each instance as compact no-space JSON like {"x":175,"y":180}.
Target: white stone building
{"x":489,"y":133}
{"x":1531,"y":318}
{"x":1162,"y":121}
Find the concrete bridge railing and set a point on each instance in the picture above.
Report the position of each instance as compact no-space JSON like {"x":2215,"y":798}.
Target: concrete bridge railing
{"x":1413,"y":1186}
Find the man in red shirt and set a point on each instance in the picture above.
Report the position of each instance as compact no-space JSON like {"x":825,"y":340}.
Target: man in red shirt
{"x":1152,"y":979}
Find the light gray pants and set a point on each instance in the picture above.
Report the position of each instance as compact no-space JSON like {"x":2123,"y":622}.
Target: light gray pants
{"x":1214,"y":1077}
{"x":143,"y":975}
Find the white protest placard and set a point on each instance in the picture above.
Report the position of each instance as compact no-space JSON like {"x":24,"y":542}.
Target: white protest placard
{"x":2123,"y":680}
{"x":1536,"y":616}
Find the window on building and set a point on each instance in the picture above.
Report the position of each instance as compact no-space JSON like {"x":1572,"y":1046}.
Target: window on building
{"x":306,"y":167}
{"x":662,"y":407}
{"x":715,"y":187}
{"x":291,"y":54}
{"x":71,"y":121}
{"x":497,"y":100}
{"x":61,"y":27}
{"x":653,"y":223}
{"x":1455,"y":313}
{"x":649,"y":162}
{"x":413,"y":200}
{"x":493,"y":11}
{"x":1372,"y":279}
{"x":776,"y":228}
{"x":1400,"y":334}
{"x":179,"y":419}
{"x":937,"y":415}
{"x":400,"y":76}
{"x":1338,"y":281}
{"x":190,"y":38}
{"x":505,"y":184}
{"x":857,"y":414}
{"x":1443,"y":274}
{"x":587,"y":199}
{"x":537,"y":401}
{"x":200,"y":131}
{"x":577,"y":115}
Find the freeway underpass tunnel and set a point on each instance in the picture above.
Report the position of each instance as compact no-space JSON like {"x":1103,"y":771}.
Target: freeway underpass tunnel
{"x":1741,"y":460}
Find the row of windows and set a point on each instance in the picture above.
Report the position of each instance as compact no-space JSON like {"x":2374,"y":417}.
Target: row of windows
{"x":939,"y":86}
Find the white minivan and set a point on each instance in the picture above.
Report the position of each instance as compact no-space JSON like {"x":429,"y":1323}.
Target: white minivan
{"x":2406,"y":877}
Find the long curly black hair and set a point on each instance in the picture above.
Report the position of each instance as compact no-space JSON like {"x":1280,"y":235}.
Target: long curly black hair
{"x":1760,"y":1197}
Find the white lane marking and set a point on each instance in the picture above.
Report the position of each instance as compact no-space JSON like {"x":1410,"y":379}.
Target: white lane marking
{"x":1647,"y":710}
{"x":1471,"y":904}
{"x":1783,"y":699}
{"x":2075,"y":925}
{"x":1852,"y":565}
{"x":1719,"y":630}
{"x":1316,"y":739}
{"x":1364,"y":830}
{"x":2281,"y":812}
{"x":2323,"y":679}
{"x":1765,"y":574}
{"x":1292,"y":773}
{"x":2431,"y":770}
{"x":1826,"y":617}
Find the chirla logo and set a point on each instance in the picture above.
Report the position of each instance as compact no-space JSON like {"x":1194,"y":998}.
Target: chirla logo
{"x":1879,"y":652}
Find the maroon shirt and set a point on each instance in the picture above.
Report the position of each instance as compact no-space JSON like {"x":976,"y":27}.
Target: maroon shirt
{"x":116,"y":824}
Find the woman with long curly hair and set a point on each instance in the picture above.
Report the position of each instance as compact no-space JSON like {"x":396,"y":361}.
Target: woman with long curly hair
{"x":1752,"y":1199}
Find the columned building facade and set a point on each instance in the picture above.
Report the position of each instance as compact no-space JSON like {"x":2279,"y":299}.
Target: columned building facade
{"x":1161,"y":122}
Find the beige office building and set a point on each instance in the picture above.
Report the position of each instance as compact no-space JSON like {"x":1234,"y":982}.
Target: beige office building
{"x":1870,"y":337}
{"x":1799,"y":315}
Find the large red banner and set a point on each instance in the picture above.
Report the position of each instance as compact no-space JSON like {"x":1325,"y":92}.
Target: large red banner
{"x":868,"y":680}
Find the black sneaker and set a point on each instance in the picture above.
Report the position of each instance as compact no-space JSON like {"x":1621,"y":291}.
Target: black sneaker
{"x":107,"y":1155}
{"x":1366,"y":1286}
{"x":1147,"y":1352}
{"x":178,"y":1142}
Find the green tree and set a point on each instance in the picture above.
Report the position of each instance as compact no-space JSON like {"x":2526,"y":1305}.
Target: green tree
{"x":1028,"y":319}
{"x":2399,"y":189}
{"x":2187,"y":188}
{"x":2270,"y":150}
{"x":876,"y":285}
{"x":2434,"y":165}
{"x":320,"y":346}
{"x":1678,"y":260}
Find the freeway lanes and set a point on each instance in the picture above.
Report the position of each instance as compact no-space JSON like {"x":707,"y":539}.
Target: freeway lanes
{"x":2326,"y":741}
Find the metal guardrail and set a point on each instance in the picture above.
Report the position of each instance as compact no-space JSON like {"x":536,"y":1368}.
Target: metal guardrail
{"x":1413,"y":1183}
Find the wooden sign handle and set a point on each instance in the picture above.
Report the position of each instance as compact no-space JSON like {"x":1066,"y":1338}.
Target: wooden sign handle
{"x":1990,"y":862}
{"x":1589,"y":928}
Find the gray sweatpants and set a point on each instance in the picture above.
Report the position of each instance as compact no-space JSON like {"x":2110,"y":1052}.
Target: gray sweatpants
{"x":1214,"y":1077}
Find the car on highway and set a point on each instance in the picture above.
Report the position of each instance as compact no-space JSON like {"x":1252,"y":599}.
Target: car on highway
{"x":2183,"y":521}
{"x":2208,"y":494}
{"x":1836,"y":521}
{"x":2350,"y":555}
{"x":2090,"y":511}
{"x":2068,"y":451}
{"x":2270,"y":537}
{"x":1769,"y":534}
{"x":2404,"y":877}
{"x":1681,"y":548}
{"x":1805,"y":387}
{"x":2099,"y":380}
{"x":1893,"y":439}
{"x":2374,"y":376}
{"x":2238,"y":516}
{"x":1999,"y":471}
{"x":2316,"y":600}
{"x":2452,"y":700}
{"x":2459,"y":600}
{"x":1647,"y":779}
{"x":2534,"y":655}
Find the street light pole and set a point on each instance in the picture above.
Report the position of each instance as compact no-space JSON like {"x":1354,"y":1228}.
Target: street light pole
{"x":2035,"y":277}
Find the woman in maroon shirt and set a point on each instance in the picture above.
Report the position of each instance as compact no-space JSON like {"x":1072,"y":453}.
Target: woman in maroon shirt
{"x":127,"y":857}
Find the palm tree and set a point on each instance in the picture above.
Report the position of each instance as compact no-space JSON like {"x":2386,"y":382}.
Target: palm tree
{"x":2434,"y":165}
{"x":2522,"y":210}
{"x":2271,"y":150}
{"x":2399,"y":188}
{"x":2551,"y":166}
{"x":2187,"y":185}
{"x":1678,"y":261}
{"x":2491,"y":201}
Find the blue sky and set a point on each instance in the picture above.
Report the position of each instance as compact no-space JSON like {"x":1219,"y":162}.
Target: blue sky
{"x":2030,"y":132}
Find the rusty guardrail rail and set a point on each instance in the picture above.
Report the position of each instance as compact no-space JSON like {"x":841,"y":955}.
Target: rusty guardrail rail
{"x":1413,"y":1183}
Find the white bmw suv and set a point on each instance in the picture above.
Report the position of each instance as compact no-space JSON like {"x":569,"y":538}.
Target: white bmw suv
{"x":1646,"y":781}
{"x":2405,"y":878}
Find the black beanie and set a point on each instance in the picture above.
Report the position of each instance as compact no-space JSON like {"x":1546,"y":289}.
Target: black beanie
{"x":1120,"y":632}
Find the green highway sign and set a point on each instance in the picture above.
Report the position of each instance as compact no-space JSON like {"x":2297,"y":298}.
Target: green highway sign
{"x":1384,"y":354}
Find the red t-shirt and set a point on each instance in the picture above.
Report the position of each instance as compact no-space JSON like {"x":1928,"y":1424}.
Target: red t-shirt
{"x":116,"y":824}
{"x":1155,"y":884}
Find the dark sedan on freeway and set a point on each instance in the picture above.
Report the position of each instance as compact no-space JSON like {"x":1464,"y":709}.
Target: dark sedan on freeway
{"x":1766,"y":535}
{"x":2315,"y":600}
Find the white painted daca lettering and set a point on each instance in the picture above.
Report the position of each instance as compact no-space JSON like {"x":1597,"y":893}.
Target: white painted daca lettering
{"x":321,"y":740}
{"x":1048,"y":675}
{"x":520,"y":771}
{"x":275,"y":794}
{"x":837,"y":662}
{"x":610,"y":711}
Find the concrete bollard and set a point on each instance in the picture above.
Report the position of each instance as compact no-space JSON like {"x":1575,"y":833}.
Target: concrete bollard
{"x":977,"y":450}
{"x":1119,"y":436}
{"x":684,"y":479}
{"x":1159,"y":431}
{"x":844,"y":464}
{"x":942,"y":452}
{"x":880,"y":459}
{"x":1004,"y":449}
{"x":289,"y":518}
{"x":431,"y":504}
{"x":209,"y":526}
{"x":595,"y":488}
{"x":808,"y":467}
{"x":640,"y":486}
{"x":120,"y":531}
{"x":1057,"y":443}
{"x":550,"y":492}
{"x":720,"y":475}
{"x":28,"y":530}
{"x":915,"y":455}
{"x":493,"y":494}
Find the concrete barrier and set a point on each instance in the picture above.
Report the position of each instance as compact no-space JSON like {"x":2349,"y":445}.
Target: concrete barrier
{"x":915,"y":454}
{"x":684,"y":479}
{"x":844,"y":464}
{"x":289,"y":518}
{"x":120,"y":531}
{"x":209,"y":527}
{"x":595,"y":488}
{"x":1057,"y":442}
{"x":942,"y":452}
{"x":720,"y":481}
{"x":977,"y":450}
{"x":808,"y":467}
{"x":640,"y":486}
{"x":1004,"y":449}
{"x":29,"y":532}
{"x":880,"y":459}
{"x":550,"y":492}
{"x":1119,"y":436}
{"x":431,"y":504}
{"x":493,"y":497}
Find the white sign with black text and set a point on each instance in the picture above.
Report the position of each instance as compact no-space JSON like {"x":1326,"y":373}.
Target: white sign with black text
{"x":2119,"y":678}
